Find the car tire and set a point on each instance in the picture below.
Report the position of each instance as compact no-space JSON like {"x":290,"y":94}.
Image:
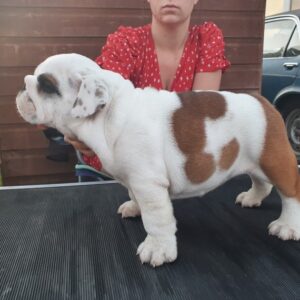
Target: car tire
{"x":291,"y":116}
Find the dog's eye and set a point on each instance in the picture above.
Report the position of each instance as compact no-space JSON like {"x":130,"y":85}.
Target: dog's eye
{"x":47,"y":84}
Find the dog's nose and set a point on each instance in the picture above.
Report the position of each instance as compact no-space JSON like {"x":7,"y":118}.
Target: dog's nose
{"x":28,"y":80}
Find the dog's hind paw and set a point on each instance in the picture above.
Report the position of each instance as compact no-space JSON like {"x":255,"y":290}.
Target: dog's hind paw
{"x":247,"y":199}
{"x":157,"y":251}
{"x":284,"y":230}
{"x":129,"y":209}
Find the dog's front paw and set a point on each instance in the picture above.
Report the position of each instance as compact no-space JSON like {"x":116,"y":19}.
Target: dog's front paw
{"x":285,"y":230}
{"x":129,"y":209}
{"x":157,"y":251}
{"x":248,"y":199}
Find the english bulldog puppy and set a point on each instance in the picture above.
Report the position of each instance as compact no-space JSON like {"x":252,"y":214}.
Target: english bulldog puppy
{"x":162,"y":145}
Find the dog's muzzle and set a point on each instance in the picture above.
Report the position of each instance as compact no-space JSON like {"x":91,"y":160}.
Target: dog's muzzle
{"x":26,"y":107}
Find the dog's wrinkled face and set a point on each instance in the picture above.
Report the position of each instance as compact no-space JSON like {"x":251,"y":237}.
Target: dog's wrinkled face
{"x":62,"y":87}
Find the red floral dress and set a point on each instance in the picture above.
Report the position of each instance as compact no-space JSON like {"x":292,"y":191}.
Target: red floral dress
{"x":131,"y":53}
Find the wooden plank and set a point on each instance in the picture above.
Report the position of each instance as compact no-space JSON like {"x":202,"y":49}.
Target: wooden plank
{"x":12,"y":79}
{"x":242,"y":51}
{"x":231,"y":5}
{"x":19,"y":52}
{"x":26,"y":52}
{"x":26,"y":137}
{"x":234,"y":24}
{"x":33,"y":163}
{"x":134,"y":4}
{"x":55,"y":22}
{"x":8,"y":111}
{"x":242,"y":77}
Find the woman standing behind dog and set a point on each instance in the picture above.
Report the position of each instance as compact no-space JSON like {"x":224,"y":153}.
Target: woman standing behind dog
{"x":166,"y":54}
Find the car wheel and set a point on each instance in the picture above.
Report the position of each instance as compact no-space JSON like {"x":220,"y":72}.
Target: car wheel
{"x":291,"y":116}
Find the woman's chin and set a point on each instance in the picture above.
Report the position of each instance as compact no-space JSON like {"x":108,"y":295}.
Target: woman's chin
{"x":172,"y":19}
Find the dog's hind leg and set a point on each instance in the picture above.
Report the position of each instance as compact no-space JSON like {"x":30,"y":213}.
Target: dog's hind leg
{"x":285,"y":177}
{"x":130,"y":209}
{"x":287,"y":226}
{"x":256,"y":194}
{"x":279,"y":164}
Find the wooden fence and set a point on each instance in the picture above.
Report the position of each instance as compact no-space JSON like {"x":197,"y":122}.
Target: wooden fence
{"x":31,"y":30}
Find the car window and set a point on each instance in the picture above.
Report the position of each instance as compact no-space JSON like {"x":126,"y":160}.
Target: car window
{"x":277,"y":35}
{"x":293,"y":48}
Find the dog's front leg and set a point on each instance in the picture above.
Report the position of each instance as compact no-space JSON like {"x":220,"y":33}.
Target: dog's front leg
{"x":157,"y":214}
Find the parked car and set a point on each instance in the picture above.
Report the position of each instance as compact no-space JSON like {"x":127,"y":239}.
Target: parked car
{"x":281,"y":76}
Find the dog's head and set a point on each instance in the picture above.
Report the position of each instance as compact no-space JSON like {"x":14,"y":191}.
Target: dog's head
{"x":63,"y":87}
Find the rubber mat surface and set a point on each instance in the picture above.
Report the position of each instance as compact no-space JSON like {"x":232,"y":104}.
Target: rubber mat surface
{"x":69,"y":243}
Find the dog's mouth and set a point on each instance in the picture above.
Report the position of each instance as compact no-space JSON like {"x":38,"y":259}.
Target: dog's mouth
{"x":30,"y":100}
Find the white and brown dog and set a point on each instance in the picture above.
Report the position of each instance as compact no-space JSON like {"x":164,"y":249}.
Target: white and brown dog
{"x":163,"y":145}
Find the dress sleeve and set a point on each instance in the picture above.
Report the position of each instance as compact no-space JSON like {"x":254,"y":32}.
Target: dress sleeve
{"x":120,"y":51}
{"x":211,"y":53}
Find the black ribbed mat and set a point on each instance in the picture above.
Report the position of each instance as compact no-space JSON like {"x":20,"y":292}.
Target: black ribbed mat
{"x":69,"y":243}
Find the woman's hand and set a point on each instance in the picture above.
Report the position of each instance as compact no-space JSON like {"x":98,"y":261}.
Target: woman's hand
{"x":81,"y":147}
{"x":41,"y":127}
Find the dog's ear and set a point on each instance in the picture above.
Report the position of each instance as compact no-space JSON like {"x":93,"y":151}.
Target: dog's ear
{"x":92,"y":96}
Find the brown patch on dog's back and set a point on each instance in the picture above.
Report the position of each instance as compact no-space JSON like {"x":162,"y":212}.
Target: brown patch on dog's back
{"x":189,"y":131}
{"x":229,"y":154}
{"x":278,"y":160}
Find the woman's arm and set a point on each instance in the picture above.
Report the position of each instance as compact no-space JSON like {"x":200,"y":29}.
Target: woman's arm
{"x":81,"y":147}
{"x":207,"y":80}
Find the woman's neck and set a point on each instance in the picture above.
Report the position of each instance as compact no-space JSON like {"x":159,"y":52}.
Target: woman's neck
{"x":169,"y":37}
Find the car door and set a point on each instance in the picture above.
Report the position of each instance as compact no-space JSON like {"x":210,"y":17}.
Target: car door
{"x":279,"y":67}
